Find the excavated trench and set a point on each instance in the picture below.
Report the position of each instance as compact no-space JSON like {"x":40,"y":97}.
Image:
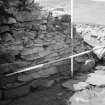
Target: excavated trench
{"x":26,"y":39}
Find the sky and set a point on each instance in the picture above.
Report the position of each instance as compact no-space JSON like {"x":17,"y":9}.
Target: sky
{"x":66,"y":4}
{"x":89,"y":11}
{"x":84,"y":11}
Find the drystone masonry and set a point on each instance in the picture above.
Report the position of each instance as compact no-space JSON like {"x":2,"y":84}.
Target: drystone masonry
{"x":28,"y":39}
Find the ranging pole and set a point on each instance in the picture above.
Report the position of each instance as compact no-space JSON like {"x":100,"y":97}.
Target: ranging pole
{"x":71,"y":34}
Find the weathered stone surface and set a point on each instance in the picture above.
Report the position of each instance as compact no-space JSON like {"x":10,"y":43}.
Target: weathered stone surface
{"x":44,"y":53}
{"x":28,"y":51}
{"x":30,"y":57}
{"x":7,"y":37}
{"x":96,"y":79}
{"x":35,"y":75}
{"x":16,"y":92}
{"x":11,"y":20}
{"x":100,"y":72}
{"x":89,"y":97}
{"x":47,"y":72}
{"x":69,"y":84}
{"x":88,"y":66}
{"x":42,"y":83}
{"x":100,"y":67}
{"x":26,"y":16}
{"x":4,"y":29}
{"x":80,"y":86}
{"x":13,"y":3}
{"x":80,"y":98}
{"x":99,"y":51}
{"x":25,"y":77}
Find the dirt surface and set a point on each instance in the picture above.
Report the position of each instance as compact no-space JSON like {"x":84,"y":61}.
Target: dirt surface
{"x":52,"y":96}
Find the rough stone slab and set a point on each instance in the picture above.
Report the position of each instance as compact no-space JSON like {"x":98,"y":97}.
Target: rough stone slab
{"x":7,"y":37}
{"x":47,"y":72}
{"x":16,"y":47}
{"x":20,"y":91}
{"x":80,"y":98}
{"x":101,"y":72}
{"x":100,"y":67}
{"x":28,"y":51}
{"x":59,"y":45}
{"x":88,"y":66}
{"x":69,"y":84}
{"x":25,"y":77}
{"x":26,"y":16}
{"x":11,"y":20}
{"x":31,"y":57}
{"x":82,"y":77}
{"x":35,"y":75}
{"x":42,"y":83}
{"x":96,"y":79}
{"x":44,"y":53}
{"x":89,"y":97}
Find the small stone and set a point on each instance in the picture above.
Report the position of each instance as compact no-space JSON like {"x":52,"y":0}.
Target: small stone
{"x":14,"y":3}
{"x":28,"y":51}
{"x":59,"y":45}
{"x":47,"y":83}
{"x":44,"y":53}
{"x":82,"y":77}
{"x":42,"y":83}
{"x":69,"y":84}
{"x":30,"y":57}
{"x":25,"y":77}
{"x":29,"y":1}
{"x":47,"y":72}
{"x":11,"y":20}
{"x":7,"y":37}
{"x":30,"y":34}
{"x":35,"y":75}
{"x":80,"y":98}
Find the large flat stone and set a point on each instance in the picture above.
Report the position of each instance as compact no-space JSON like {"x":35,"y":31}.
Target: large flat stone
{"x":28,"y":51}
{"x":44,"y":53}
{"x":69,"y":84}
{"x":100,"y":67}
{"x":42,"y":83}
{"x":80,"y":86}
{"x":96,"y":79}
{"x":88,"y":97}
{"x":20,"y":91}
{"x":47,"y":72}
{"x":25,"y":77}
{"x":31,"y":57}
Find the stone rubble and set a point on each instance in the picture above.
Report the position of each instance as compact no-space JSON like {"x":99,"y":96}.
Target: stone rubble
{"x":91,"y":91}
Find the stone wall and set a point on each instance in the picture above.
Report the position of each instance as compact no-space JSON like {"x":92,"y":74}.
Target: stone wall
{"x":27,"y":39}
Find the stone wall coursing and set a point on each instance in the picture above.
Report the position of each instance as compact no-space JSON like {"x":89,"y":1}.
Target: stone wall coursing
{"x":26,"y":40}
